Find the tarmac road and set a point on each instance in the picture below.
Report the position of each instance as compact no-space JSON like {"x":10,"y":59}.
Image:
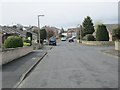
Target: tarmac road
{"x":72,"y":65}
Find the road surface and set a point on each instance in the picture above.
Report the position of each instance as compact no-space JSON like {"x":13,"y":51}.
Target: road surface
{"x":72,"y":65}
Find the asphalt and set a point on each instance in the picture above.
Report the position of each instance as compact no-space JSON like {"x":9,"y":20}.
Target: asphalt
{"x":72,"y":65}
{"x":14,"y":72}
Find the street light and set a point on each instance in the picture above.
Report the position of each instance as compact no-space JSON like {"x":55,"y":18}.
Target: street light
{"x":39,"y":28}
{"x":79,"y":32}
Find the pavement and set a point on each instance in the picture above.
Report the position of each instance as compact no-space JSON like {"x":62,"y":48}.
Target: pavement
{"x":112,"y":52}
{"x":72,"y":65}
{"x":14,"y":72}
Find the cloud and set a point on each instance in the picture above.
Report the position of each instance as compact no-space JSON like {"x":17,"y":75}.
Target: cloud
{"x":63,"y":14}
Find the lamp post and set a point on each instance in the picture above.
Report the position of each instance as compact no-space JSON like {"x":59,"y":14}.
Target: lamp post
{"x":39,"y":28}
{"x":79,"y":32}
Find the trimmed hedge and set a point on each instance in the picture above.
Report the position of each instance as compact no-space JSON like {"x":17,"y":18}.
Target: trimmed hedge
{"x":13,"y":42}
{"x":102,"y":33}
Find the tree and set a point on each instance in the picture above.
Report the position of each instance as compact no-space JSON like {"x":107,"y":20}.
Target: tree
{"x":81,"y":32}
{"x":87,"y":25}
{"x":116,"y":33}
{"x":43,"y":35}
{"x":102,"y":33}
{"x":50,"y":32}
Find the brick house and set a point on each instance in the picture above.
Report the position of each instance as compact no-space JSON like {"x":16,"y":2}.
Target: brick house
{"x":110,"y":27}
{"x":73,"y":32}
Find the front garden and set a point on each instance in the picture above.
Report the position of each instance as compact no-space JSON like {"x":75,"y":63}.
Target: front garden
{"x":15,"y":46}
{"x":98,"y":35}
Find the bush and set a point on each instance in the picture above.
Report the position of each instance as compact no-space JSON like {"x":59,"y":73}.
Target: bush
{"x":26,"y":40}
{"x":90,"y":37}
{"x":13,"y":42}
{"x":102,"y":33}
{"x":116,"y":33}
{"x":26,"y":44}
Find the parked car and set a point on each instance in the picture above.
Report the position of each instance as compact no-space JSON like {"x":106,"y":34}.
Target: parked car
{"x":63,"y":38}
{"x":52,"y":41}
{"x":71,"y":40}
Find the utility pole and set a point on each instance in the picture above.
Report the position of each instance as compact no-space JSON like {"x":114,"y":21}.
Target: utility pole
{"x":79,"y":32}
{"x":39,"y":28}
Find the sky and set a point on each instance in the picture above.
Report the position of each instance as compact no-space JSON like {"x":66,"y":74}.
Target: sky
{"x":62,"y":14}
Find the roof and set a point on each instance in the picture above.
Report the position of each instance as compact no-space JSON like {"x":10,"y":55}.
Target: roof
{"x":73,"y":29}
{"x":110,"y":27}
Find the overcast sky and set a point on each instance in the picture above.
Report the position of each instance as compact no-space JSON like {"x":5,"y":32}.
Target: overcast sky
{"x":59,"y":14}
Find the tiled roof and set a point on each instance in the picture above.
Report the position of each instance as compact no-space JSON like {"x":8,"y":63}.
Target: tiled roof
{"x":110,"y":27}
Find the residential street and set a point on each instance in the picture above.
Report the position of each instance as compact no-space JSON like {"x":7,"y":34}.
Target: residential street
{"x":72,"y":65}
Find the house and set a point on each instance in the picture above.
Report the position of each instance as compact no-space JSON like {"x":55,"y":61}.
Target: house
{"x":52,"y":31}
{"x":72,"y":32}
{"x":110,"y":27}
{"x":16,"y":31}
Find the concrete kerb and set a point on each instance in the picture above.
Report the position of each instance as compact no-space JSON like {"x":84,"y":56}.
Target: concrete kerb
{"x":109,"y":54}
{"x":28,"y":71}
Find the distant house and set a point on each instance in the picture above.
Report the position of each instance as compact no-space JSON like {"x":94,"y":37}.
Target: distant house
{"x":65,"y":34}
{"x":16,"y":31}
{"x":52,"y":31}
{"x":110,"y":27}
{"x":72,"y":32}
{"x":11,"y":30}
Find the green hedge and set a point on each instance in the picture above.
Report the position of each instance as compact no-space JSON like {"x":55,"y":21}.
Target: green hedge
{"x":102,"y":33}
{"x":13,"y":42}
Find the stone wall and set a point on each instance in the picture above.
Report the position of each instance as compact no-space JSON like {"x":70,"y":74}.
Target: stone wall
{"x":11,"y":54}
{"x":99,"y":43}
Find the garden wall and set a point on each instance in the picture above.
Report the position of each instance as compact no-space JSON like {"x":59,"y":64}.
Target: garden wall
{"x":11,"y":54}
{"x":117,"y":45}
{"x":99,"y":43}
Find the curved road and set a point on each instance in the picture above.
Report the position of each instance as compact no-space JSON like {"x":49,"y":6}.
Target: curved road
{"x":72,"y":65}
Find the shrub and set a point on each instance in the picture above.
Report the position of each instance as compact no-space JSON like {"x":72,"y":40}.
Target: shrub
{"x":90,"y":37}
{"x":26,"y":44}
{"x":13,"y":42}
{"x":102,"y":33}
{"x":26,"y":40}
{"x":116,"y":33}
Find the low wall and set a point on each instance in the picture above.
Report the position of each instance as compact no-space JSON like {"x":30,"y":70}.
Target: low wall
{"x":99,"y":43}
{"x":11,"y":54}
{"x":117,"y":45}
